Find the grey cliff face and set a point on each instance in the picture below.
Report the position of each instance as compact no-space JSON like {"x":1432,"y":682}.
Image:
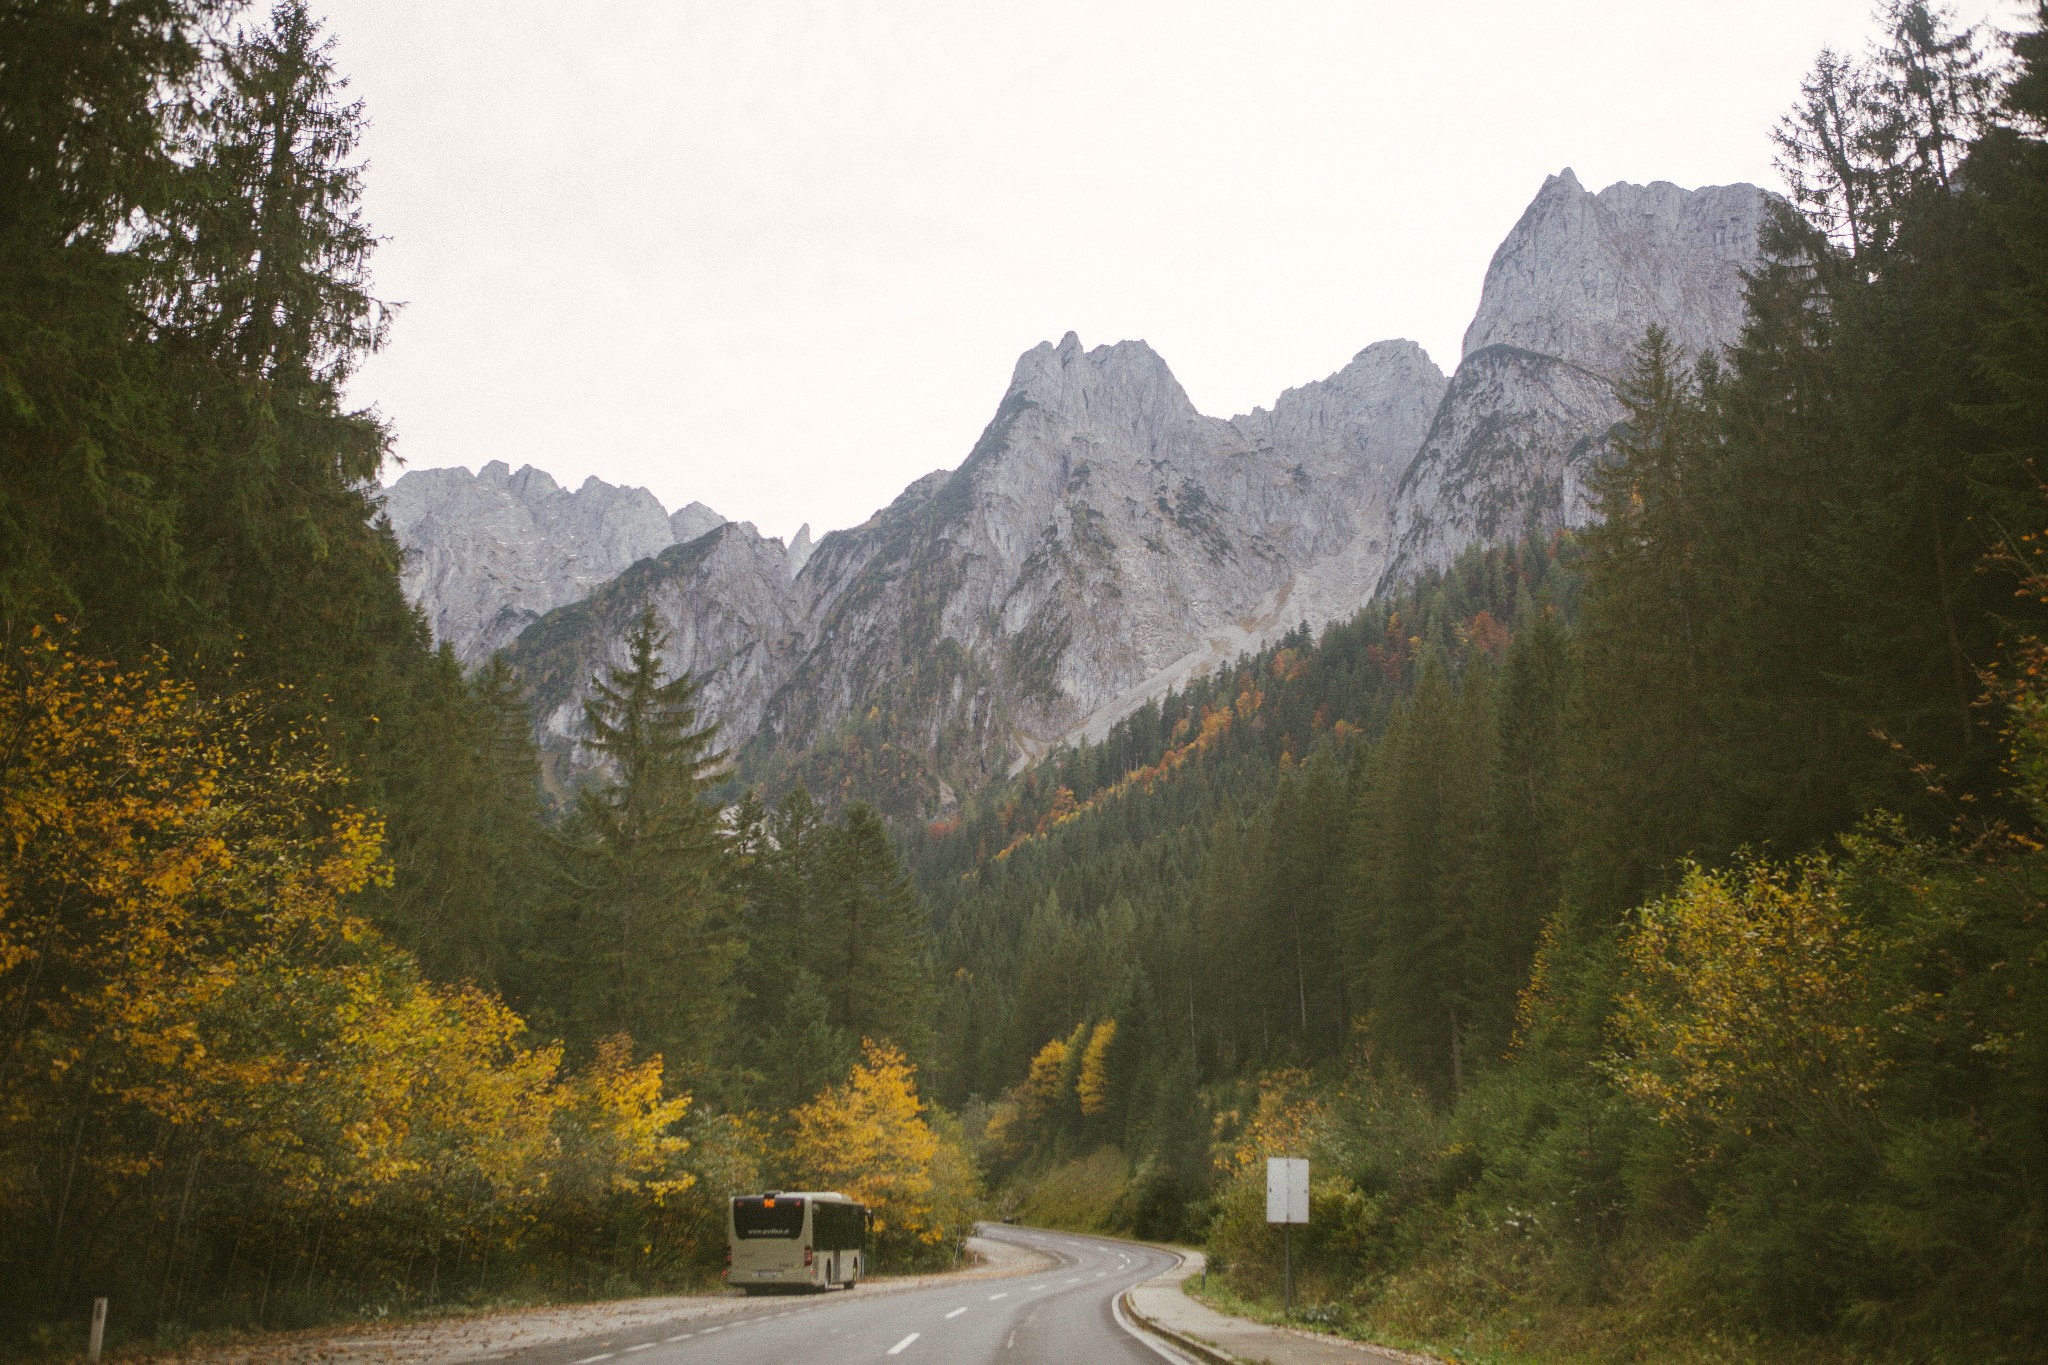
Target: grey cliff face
{"x":1508,"y":454}
{"x":1103,"y":541}
{"x":488,"y":554}
{"x":1582,"y":276}
{"x":1100,"y":535}
{"x":1568,"y":296}
{"x":800,"y":548}
{"x":687,"y":523}
{"x":1104,"y":531}
{"x":731,"y":617}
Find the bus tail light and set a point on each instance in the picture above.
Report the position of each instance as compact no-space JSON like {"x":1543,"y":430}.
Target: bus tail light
{"x":807,"y":1256}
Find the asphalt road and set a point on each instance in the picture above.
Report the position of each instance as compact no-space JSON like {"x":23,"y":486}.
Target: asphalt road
{"x":1061,"y":1316}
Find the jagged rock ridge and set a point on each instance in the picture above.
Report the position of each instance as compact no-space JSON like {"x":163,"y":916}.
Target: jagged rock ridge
{"x":490,"y":553}
{"x":1568,"y":295}
{"x":1104,"y":541}
{"x":1582,"y":276}
{"x":1101,"y":532}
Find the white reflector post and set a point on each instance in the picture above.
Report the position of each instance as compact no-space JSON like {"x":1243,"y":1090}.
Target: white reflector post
{"x":1286,"y":1189}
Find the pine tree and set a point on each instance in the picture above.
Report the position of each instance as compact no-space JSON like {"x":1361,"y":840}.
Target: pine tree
{"x":1224,"y":989}
{"x":645,"y":934}
{"x":871,"y":941}
{"x":272,"y":270}
{"x":458,"y":761}
{"x":1640,"y":717}
{"x":1305,"y":875}
{"x":91,"y":98}
{"x":1525,"y":827}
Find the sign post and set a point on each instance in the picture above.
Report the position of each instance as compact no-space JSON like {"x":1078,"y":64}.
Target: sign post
{"x":98,"y":1335}
{"x":1287,"y":1204}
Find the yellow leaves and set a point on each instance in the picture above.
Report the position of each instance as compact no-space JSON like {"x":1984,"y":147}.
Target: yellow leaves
{"x":871,"y":1139}
{"x":179,"y":943}
{"x":624,"y":1124}
{"x":1285,"y":1122}
{"x":1094,"y":1082}
{"x":1744,"y":998}
{"x":1041,"y":1094}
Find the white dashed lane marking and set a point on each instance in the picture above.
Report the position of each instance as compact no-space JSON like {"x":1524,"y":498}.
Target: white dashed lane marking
{"x":955,"y":1313}
{"x":898,"y":1348}
{"x":1004,"y":1295}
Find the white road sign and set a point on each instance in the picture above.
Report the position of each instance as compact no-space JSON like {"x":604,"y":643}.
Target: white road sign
{"x":1286,"y":1189}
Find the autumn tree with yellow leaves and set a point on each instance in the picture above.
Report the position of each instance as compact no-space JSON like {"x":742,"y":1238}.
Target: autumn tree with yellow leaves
{"x":874,"y":1140}
{"x":1749,"y":1005}
{"x":215,"y":1076}
{"x":1092,"y":1087}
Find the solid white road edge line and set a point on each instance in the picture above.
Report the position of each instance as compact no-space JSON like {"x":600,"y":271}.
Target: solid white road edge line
{"x":1158,"y":1347}
{"x":897,"y":1349}
{"x":1154,"y":1344}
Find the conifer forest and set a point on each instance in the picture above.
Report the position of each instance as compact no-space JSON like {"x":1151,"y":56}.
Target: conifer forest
{"x":1643,"y":930}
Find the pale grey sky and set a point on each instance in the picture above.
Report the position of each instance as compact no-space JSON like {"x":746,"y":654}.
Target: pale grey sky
{"x":780,"y":255}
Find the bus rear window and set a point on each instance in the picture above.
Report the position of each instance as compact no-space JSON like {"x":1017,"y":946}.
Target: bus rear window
{"x":760,"y":1217}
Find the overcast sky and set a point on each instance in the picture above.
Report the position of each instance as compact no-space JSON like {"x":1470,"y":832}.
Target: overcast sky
{"x":780,"y":255}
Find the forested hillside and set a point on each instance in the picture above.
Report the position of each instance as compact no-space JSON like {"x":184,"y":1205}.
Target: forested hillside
{"x":308,"y":1005}
{"x":1642,"y":936}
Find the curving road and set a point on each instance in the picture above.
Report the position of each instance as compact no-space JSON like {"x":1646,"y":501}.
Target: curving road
{"x":1058,"y":1316}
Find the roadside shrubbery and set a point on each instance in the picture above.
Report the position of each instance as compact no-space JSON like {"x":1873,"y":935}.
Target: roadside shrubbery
{"x":1788,"y":1097}
{"x":226,"y":1098}
{"x":215,"y":1076}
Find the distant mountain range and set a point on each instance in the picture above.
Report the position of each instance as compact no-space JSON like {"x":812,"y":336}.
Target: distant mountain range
{"x":1103,"y":541}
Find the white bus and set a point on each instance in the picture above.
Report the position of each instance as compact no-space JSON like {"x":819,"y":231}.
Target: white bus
{"x":794,"y":1241}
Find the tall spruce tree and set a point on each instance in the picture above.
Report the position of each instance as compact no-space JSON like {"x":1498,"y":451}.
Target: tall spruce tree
{"x":1305,"y":876}
{"x":1415,"y":931}
{"x":469,"y":853}
{"x":1524,"y":858}
{"x":643,"y":937}
{"x":92,"y":98}
{"x":871,"y":942}
{"x":1640,"y":713}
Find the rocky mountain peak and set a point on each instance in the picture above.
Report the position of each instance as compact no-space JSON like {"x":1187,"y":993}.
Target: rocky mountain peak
{"x":1127,"y":384}
{"x":1568,"y":296}
{"x":692,"y":521}
{"x":1103,"y":541}
{"x":800,"y":548}
{"x":1583,"y":275}
{"x":491,"y":552}
{"x":1372,"y":409}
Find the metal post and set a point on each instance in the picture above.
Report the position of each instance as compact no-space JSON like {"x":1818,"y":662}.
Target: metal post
{"x":1287,"y":1259}
{"x":99,"y":1331}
